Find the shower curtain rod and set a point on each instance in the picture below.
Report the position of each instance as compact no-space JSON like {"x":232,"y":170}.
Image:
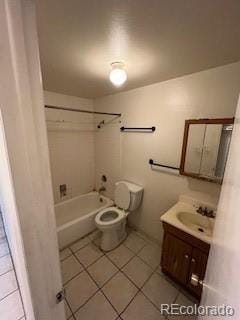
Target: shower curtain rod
{"x":83,"y":111}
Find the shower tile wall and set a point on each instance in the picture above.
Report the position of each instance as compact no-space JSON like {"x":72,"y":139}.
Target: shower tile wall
{"x":108,"y":156}
{"x":72,"y":162}
{"x":71,"y":145}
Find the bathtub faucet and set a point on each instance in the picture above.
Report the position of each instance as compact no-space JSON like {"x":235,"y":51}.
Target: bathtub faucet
{"x":101,"y":189}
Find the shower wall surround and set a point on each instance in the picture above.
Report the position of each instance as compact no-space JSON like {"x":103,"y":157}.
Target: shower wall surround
{"x":71,"y":145}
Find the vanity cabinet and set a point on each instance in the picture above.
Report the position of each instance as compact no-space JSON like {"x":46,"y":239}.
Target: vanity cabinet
{"x":184,"y":258}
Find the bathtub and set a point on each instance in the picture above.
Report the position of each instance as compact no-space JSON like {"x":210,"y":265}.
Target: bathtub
{"x":75,"y":218}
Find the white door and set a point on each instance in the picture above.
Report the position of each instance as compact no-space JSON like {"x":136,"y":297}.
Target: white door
{"x":222,"y":281}
{"x":25,"y":182}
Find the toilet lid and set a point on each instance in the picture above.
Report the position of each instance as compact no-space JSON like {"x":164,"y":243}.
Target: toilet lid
{"x":122,"y":196}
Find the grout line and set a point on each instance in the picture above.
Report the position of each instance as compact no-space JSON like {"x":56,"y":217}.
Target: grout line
{"x":61,"y":260}
{"x":87,"y":236}
{"x":153,"y":268}
{"x":139,"y":289}
{"x":87,"y":244}
{"x":72,"y":314}
{"x":138,"y":251}
{"x":129,"y":302}
{"x":6,"y":272}
{"x":17,"y":289}
{"x":85,"y":302}
{"x":119,"y":268}
{"x":153,"y":304}
{"x":76,"y":275}
{"x":14,"y":270}
{"x":175,"y":299}
{"x":90,"y":263}
{"x":84,"y":269}
{"x":5,"y":254}
{"x":99,"y":288}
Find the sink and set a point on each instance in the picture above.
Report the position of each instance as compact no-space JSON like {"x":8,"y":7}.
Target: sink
{"x":196,"y":222}
{"x":183,"y":216}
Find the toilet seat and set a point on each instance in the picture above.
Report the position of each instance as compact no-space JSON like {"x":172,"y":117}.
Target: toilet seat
{"x":110,"y":216}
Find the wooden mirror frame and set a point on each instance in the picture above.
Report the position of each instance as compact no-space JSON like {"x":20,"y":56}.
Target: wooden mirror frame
{"x":185,"y":141}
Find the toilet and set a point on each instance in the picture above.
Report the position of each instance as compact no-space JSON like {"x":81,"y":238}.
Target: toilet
{"x":111,"y":221}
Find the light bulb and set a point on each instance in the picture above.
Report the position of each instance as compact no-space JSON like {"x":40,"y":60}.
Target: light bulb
{"x":118,"y":75}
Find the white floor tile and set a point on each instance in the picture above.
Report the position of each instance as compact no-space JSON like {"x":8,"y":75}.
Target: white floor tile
{"x":65,"y":253}
{"x":5,"y":264}
{"x":134,"y":242}
{"x":120,"y":256}
{"x":159,"y":270}
{"x":70,"y":268}
{"x":68,"y":312}
{"x":89,"y":254}
{"x":97,"y":307}
{"x":159,"y":290}
{"x":141,"y":309}
{"x":80,"y":244}
{"x":3,"y":249}
{"x":119,"y":291}
{"x":137,"y":271}
{"x":79,"y":290}
{"x":94,"y":235}
{"x":2,"y":235}
{"x":11,"y":307}
{"x":185,"y":301}
{"x":186,"y":295}
{"x":8,"y":284}
{"x":102,"y":270}
{"x":151,"y":254}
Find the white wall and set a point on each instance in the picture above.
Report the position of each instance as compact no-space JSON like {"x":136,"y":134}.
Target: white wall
{"x":71,"y":145}
{"x":208,"y":94}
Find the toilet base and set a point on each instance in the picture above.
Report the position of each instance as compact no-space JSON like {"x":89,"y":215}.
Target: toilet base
{"x":112,"y":237}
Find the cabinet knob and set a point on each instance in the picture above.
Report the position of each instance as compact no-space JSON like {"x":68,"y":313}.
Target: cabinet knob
{"x":186,"y":256}
{"x":193,"y":260}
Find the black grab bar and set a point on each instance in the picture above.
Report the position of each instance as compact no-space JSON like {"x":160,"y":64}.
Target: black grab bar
{"x":150,"y":129}
{"x":152,"y":163}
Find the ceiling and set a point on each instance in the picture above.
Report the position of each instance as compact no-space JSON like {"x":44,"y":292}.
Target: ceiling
{"x":157,"y":39}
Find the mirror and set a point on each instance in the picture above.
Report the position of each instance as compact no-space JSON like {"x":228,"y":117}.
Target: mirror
{"x":205,"y":149}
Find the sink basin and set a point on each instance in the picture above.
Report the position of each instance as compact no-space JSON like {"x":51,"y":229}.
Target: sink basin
{"x":196,"y":222}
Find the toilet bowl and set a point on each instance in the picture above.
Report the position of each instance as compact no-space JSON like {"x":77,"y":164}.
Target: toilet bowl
{"x":111,"y":221}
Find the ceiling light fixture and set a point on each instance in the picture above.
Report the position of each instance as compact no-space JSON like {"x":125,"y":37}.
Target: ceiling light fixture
{"x":118,"y":75}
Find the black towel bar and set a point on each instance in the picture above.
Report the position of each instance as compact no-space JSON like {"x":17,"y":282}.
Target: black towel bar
{"x":152,"y":163}
{"x":151,"y":129}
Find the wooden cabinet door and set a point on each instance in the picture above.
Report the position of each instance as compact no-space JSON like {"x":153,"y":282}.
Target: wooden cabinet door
{"x":176,"y":258}
{"x":197,"y":268}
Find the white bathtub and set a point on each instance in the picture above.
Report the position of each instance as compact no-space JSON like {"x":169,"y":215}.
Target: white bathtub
{"x":75,"y":217}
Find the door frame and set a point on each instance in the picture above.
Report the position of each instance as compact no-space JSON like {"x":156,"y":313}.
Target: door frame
{"x":25,"y":180}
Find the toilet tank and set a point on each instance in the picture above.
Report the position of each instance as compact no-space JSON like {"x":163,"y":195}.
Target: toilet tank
{"x":136,"y":193}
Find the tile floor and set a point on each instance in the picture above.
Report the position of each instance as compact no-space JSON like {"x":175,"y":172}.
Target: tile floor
{"x":125,"y":283}
{"x":11,"y":307}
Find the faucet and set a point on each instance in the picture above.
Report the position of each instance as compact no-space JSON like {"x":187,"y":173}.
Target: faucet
{"x":206,"y":212}
{"x":101,"y":189}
